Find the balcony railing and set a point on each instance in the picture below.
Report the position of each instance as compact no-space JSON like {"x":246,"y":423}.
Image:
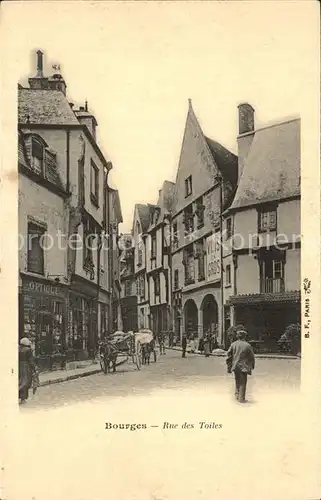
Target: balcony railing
{"x":272,"y":285}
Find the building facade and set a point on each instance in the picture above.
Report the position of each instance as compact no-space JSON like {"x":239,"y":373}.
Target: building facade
{"x":262,"y":231}
{"x":128,"y":297}
{"x":205,"y":185}
{"x":66,"y":285}
{"x":143,"y":216}
{"x":158,"y":261}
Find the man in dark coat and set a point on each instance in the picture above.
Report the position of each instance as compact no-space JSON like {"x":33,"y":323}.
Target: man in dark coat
{"x":27,"y":368}
{"x":241,"y":361}
{"x":184,"y":345}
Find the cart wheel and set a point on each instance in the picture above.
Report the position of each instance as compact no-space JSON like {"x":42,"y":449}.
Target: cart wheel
{"x":155,"y":356}
{"x":138,"y":356}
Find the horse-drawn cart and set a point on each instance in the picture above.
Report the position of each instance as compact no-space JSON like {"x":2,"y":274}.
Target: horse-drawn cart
{"x":121,"y":347}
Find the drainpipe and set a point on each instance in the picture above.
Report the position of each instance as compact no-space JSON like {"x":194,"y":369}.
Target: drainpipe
{"x":68,"y":161}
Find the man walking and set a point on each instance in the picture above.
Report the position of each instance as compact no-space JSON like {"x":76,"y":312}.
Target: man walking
{"x":184,"y":345}
{"x":241,"y":361}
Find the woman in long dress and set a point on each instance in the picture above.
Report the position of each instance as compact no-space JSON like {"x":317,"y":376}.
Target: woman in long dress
{"x":27,"y":368}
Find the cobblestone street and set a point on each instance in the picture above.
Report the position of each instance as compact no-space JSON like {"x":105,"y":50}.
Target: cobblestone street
{"x":171,"y":372}
{"x":63,"y":431}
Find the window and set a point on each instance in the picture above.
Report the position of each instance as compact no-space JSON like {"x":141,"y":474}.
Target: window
{"x":272,"y":274}
{"x":128,"y":288}
{"x":140,"y":284}
{"x":37,"y":156}
{"x":200,"y":256}
{"x":228,"y":275}
{"x":273,"y":269}
{"x":188,"y":220}
{"x":175,"y":236}
{"x":188,"y":263}
{"x":154,"y":249}
{"x":139,"y":255}
{"x":228,"y":228}
{"x":81,"y":182}
{"x":88,"y":237}
{"x":267,"y":220}
{"x":188,"y":186}
{"x":35,"y":248}
{"x":176,"y":279}
{"x":200,"y":212}
{"x":94,"y":183}
{"x":157,"y":285}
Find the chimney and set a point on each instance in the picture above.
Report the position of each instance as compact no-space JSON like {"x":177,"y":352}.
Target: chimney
{"x":246,"y":118}
{"x":39,"y":64}
{"x":39,"y":82}
{"x":246,"y":134}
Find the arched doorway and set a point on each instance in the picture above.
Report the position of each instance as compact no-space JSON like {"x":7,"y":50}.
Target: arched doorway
{"x":191,"y":318}
{"x":210,"y":314}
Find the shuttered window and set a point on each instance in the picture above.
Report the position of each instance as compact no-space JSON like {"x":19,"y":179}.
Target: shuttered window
{"x":35,"y":248}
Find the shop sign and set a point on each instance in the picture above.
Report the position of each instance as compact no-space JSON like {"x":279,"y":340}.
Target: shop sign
{"x":43,"y":288}
{"x":213,"y":257}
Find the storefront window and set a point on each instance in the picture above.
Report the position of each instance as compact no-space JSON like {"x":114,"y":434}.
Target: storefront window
{"x":57,"y":328}
{"x":77,"y":324}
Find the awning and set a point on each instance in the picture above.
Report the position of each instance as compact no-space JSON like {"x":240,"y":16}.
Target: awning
{"x":266,"y":298}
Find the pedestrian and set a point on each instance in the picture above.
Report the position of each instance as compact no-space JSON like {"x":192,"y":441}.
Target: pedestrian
{"x":192,"y":345}
{"x":207,"y":345}
{"x":240,"y":360}
{"x":184,"y":345}
{"x":171,"y":338}
{"x":161,"y":342}
{"x":28,"y":372}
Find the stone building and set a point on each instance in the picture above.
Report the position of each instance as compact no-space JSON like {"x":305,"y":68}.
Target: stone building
{"x":128,"y":297}
{"x":64,"y":223}
{"x":262,"y":230}
{"x":143,"y":216}
{"x":205,"y":185}
{"x":158,"y":261}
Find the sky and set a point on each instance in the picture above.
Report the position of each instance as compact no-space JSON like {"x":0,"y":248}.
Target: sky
{"x":138,"y":63}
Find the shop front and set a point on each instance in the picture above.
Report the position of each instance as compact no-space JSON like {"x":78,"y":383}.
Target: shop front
{"x":42,"y":318}
{"x":159,"y":319}
{"x":266,"y":320}
{"x":82,"y":335}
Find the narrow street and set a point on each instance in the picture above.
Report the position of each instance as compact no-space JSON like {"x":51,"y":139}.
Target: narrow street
{"x":170,"y":373}
{"x":62,"y":432}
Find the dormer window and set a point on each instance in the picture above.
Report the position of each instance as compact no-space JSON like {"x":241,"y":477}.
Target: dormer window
{"x":37,"y":156}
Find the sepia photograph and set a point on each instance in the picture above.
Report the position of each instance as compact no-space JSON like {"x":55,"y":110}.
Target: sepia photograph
{"x":165,"y":256}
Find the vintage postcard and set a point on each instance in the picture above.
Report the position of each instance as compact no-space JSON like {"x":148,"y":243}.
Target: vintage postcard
{"x":160,"y":250}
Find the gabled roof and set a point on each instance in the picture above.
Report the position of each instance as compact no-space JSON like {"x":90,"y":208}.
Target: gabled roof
{"x":145,"y":213}
{"x":225,"y":160}
{"x":44,"y":107}
{"x":272,"y":169}
{"x":209,"y":155}
{"x":116,"y":202}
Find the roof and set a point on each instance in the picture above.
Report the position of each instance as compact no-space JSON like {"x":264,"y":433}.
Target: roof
{"x":117,"y":206}
{"x":272,"y":168}
{"x":225,"y":160}
{"x":44,"y":107}
{"x":200,"y":152}
{"x":145,"y":213}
